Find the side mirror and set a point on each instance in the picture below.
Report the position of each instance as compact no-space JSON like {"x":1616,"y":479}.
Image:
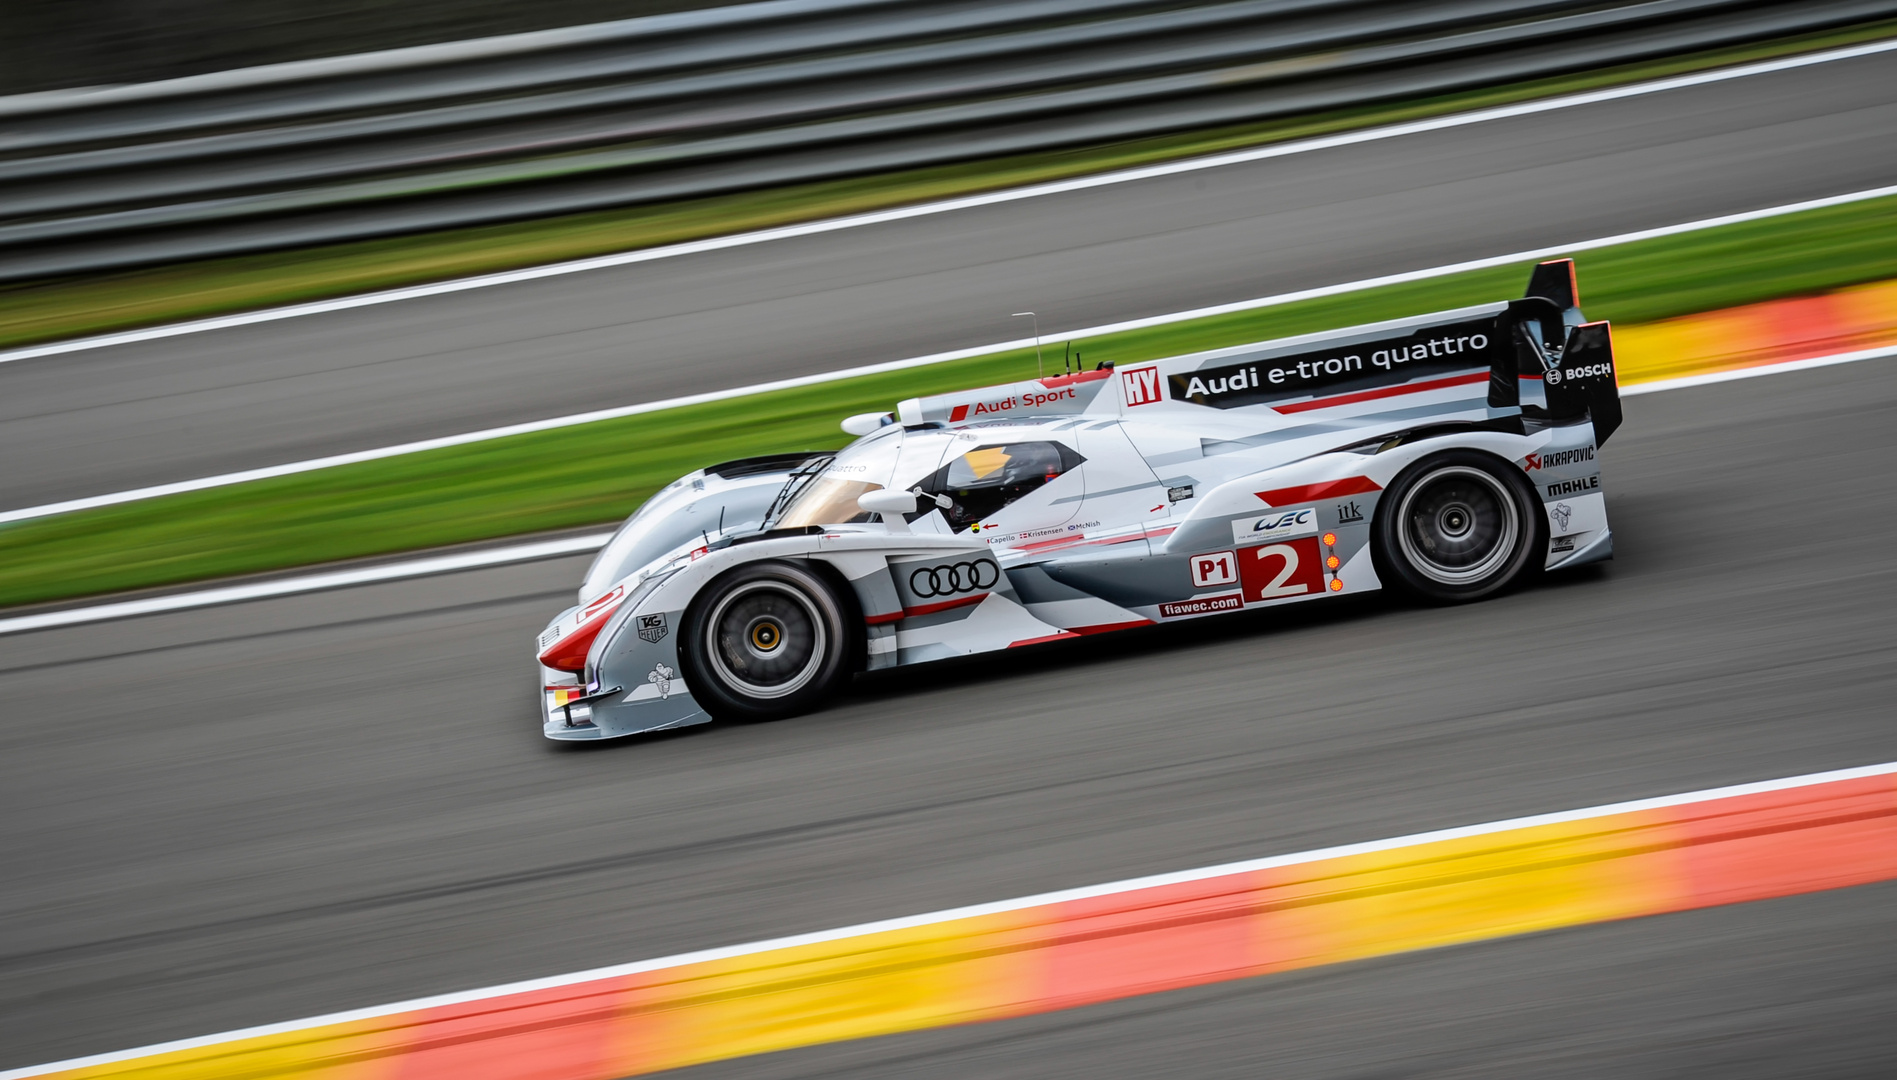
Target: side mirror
{"x":887,"y":501}
{"x":863,"y":423}
{"x":892,"y":504}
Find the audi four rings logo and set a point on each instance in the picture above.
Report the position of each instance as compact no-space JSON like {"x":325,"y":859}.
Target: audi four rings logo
{"x":962,"y":577}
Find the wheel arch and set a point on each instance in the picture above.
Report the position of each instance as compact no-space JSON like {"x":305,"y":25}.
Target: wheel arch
{"x":1534,"y":523}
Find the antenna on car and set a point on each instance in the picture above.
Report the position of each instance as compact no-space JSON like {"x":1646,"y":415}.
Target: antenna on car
{"x":1067,"y":361}
{"x":1037,"y":339}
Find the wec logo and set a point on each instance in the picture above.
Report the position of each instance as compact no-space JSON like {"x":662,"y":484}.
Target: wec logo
{"x":1276,"y":525}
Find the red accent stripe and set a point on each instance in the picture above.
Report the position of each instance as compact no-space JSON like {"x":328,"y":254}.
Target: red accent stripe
{"x":1127,"y":539}
{"x":1330,"y":489}
{"x":1037,"y":640}
{"x":878,"y":620}
{"x":930,"y":609}
{"x":958,"y":414}
{"x":1384,"y":392}
{"x":1053,"y":381}
{"x":1574,"y":285}
{"x":569,"y":653}
{"x":1108,"y":628}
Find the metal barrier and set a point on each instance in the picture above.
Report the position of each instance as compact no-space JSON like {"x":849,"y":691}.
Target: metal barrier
{"x":748,"y":96}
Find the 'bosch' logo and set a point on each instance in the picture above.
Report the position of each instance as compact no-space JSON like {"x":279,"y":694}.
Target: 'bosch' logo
{"x":962,"y":577}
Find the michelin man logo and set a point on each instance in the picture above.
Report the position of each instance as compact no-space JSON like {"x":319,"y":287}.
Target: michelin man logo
{"x":1562,"y":514}
{"x":661,"y":677}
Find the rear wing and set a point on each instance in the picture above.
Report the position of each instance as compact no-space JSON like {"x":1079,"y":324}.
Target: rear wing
{"x":1577,"y":376}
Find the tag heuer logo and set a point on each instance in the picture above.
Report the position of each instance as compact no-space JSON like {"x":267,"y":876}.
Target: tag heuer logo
{"x":652,"y":627}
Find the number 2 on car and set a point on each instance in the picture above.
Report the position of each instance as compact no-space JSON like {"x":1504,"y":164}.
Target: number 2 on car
{"x":1291,"y":568}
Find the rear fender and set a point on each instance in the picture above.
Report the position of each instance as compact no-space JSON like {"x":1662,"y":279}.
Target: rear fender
{"x":1335,"y":494}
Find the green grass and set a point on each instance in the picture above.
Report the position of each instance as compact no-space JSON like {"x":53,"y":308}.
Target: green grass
{"x":51,"y":310}
{"x":600,"y":472}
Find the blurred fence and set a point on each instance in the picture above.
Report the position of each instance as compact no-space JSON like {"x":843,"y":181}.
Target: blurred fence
{"x":748,"y":96}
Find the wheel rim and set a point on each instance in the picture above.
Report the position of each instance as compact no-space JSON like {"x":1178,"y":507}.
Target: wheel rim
{"x":765,"y":639}
{"x":1458,"y":525}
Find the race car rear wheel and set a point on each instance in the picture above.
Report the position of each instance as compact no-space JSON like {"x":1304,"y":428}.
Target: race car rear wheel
{"x":767,"y":640}
{"x":1458,"y":526}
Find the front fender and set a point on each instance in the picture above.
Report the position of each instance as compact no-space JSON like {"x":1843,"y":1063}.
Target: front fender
{"x":637,"y":670}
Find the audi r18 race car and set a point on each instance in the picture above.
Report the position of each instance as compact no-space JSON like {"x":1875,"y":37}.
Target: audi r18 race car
{"x":1448,"y":455}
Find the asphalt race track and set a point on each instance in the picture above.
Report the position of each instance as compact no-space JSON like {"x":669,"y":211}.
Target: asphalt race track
{"x":203,"y":404}
{"x":267,"y":811}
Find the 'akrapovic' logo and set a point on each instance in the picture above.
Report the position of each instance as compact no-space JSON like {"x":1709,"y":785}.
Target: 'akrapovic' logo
{"x":1558,"y":458}
{"x":954,"y":579}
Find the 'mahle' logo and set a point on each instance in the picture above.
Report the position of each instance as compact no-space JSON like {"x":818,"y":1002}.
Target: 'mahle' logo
{"x":1141,"y":385}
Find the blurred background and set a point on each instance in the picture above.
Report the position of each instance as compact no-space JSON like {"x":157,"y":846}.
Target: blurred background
{"x":55,"y":44}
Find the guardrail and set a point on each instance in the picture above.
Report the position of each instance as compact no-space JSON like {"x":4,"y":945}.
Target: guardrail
{"x":748,"y":96}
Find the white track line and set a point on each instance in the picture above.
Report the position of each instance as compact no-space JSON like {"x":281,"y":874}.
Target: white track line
{"x":334,"y":579}
{"x":545,"y":549}
{"x":576,"y":419}
{"x":1685,"y":381}
{"x":903,"y":213}
{"x":973,"y":911}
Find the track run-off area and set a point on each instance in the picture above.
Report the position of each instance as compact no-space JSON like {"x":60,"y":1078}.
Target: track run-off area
{"x":241,"y":815}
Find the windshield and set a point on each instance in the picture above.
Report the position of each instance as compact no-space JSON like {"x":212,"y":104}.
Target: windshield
{"x":826,"y":500}
{"x":889,"y":458}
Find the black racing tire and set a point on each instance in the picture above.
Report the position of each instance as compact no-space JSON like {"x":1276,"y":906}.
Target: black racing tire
{"x":1458,"y":526}
{"x":766,"y":640}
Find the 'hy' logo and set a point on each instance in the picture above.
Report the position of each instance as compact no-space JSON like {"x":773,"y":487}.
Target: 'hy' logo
{"x":1141,"y":385}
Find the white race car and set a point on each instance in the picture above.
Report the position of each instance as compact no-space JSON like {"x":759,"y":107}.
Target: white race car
{"x":1447,"y":455}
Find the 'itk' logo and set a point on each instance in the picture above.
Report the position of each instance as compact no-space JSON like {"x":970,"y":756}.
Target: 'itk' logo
{"x":1141,"y":385}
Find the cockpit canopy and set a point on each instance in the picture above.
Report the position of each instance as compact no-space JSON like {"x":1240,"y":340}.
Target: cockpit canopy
{"x":979,"y":471}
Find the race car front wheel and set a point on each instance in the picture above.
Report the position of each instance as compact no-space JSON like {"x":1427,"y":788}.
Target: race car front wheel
{"x":1458,"y":526}
{"x":767,"y":640}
